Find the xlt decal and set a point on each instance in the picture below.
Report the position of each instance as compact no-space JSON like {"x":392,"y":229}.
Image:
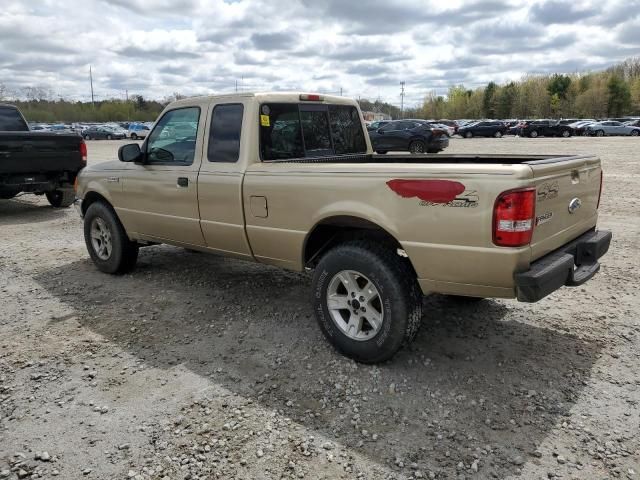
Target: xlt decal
{"x":431,"y":191}
{"x":548,"y":191}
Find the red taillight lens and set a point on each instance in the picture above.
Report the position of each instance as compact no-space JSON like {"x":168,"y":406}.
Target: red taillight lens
{"x":83,"y":151}
{"x":513,"y":217}
{"x":600,"y":192}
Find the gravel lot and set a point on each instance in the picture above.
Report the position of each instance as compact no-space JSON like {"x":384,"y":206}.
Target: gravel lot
{"x":198,"y":367}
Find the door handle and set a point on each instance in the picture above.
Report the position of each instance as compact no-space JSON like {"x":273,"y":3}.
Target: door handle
{"x":183,"y":182}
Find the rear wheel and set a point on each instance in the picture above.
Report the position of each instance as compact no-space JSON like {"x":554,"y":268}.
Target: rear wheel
{"x":566,"y":134}
{"x":498,"y":134}
{"x":87,"y":137}
{"x":106,"y":240}
{"x":468,"y":135}
{"x":366,"y":300}
{"x":381,"y":152}
{"x":600,"y":133}
{"x":634,"y":133}
{"x":134,"y":136}
{"x":533,"y":134}
{"x":61,"y":198}
{"x":109,"y":137}
{"x":417,"y":146}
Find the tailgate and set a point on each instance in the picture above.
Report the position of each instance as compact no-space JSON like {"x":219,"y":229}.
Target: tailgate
{"x":567,"y":199}
{"x":35,"y":152}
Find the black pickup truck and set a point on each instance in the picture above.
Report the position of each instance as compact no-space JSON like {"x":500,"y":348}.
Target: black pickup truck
{"x":38,"y":162}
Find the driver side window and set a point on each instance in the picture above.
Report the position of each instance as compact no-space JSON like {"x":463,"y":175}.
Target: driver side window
{"x":173,"y":139}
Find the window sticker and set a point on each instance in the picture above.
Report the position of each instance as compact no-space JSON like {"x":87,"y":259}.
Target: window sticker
{"x":264,"y":120}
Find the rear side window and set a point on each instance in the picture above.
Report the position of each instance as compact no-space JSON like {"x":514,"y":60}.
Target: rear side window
{"x":11,"y":120}
{"x":290,"y":130}
{"x":224,"y":134}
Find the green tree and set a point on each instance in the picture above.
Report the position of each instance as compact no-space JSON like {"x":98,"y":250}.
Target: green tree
{"x":559,"y":86}
{"x":488,"y":108}
{"x":619,"y":100}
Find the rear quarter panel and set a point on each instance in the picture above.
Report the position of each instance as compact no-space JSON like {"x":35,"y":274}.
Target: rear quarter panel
{"x":449,"y":244}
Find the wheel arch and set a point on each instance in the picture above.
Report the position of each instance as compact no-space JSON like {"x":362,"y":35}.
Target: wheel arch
{"x":335,"y":229}
{"x":92,"y":197}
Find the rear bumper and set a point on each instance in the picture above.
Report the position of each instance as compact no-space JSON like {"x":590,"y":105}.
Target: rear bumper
{"x":571,"y":265}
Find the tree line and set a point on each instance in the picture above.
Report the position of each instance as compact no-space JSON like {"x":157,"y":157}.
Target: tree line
{"x":614,"y":92}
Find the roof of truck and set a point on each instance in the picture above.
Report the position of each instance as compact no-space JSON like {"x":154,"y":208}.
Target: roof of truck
{"x":266,"y":96}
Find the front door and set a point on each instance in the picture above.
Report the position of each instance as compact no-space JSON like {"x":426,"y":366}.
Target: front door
{"x":161,"y":194}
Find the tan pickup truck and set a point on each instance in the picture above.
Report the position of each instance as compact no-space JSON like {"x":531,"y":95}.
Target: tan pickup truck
{"x":289,"y":179}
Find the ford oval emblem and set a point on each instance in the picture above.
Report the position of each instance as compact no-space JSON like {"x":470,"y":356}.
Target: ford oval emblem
{"x":574,"y":205}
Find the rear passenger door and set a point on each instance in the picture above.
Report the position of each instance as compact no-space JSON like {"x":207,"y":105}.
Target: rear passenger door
{"x":220,"y":180}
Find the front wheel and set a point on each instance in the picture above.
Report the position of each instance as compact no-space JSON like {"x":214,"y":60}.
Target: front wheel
{"x":134,"y":136}
{"x":498,"y":134}
{"x":468,"y":135}
{"x":366,"y":300}
{"x":566,"y":134}
{"x":417,"y":146}
{"x":61,"y":198}
{"x":109,"y":137}
{"x":107,"y":242}
{"x":87,"y":137}
{"x":534,"y":134}
{"x":600,"y":133}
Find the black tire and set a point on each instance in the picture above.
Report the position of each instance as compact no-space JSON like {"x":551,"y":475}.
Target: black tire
{"x":417,"y":147}
{"x":381,"y":152}
{"x":498,"y":134}
{"x":61,"y":198}
{"x":124,"y":253}
{"x":634,"y":133}
{"x":109,"y":137}
{"x":566,"y":133}
{"x":400,"y":298}
{"x":134,"y":136}
{"x":468,"y":134}
{"x":600,"y":133}
{"x":87,"y":137}
{"x":533,"y":134}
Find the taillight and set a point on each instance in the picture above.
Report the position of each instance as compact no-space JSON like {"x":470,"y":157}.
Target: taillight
{"x":600,"y":192}
{"x":514,"y":217}
{"x":83,"y":151}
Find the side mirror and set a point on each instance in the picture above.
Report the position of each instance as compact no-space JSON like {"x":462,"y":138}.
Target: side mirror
{"x":380,"y":131}
{"x":130,"y":153}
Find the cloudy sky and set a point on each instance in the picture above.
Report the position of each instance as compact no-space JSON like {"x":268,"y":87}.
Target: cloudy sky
{"x":362,"y":47}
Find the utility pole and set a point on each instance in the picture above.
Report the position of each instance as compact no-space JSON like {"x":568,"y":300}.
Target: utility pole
{"x":91,"y":82}
{"x":402,"y":99}
{"x":340,"y":91}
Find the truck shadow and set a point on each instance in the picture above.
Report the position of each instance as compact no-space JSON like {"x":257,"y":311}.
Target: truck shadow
{"x":18,"y":212}
{"x":476,"y":377}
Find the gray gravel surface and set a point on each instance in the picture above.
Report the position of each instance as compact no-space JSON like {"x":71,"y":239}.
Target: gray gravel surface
{"x":199,"y":367}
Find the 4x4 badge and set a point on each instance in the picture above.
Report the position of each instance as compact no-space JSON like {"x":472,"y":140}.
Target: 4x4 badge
{"x":574,"y":205}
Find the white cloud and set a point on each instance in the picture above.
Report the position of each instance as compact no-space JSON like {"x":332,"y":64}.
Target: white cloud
{"x":158,"y":47}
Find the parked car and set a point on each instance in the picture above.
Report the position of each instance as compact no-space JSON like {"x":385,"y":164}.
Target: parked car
{"x":102,"y":133}
{"x":289,"y":180}
{"x":485,"y":128}
{"x":451,"y":131}
{"x":633,"y":123}
{"x":377,"y":124}
{"x":580,"y":128}
{"x":545,"y":128}
{"x":415,"y":136}
{"x":138,"y":130}
{"x":449,"y":123}
{"x":40,"y":162}
{"x":610,"y":127}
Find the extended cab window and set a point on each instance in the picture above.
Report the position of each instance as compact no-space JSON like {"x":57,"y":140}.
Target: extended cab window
{"x":173,"y":139}
{"x":290,"y":130}
{"x":11,"y":120}
{"x":224,"y":134}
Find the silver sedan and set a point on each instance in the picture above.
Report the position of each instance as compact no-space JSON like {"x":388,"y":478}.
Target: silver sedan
{"x":600,"y":129}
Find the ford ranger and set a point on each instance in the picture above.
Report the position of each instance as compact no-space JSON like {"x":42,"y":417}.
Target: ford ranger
{"x":290,"y":180}
{"x":38,"y":162}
